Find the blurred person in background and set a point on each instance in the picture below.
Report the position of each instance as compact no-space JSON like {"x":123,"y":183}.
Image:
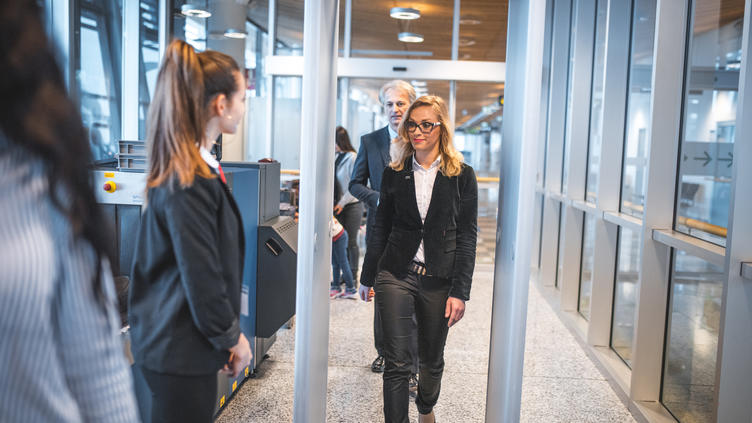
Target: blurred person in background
{"x":61,"y":356}
{"x":347,"y":208}
{"x":184,"y":303}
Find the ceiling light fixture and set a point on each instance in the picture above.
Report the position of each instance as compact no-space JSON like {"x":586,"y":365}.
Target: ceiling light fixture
{"x":235,"y":34}
{"x":466,"y":42}
{"x":406,"y":13}
{"x":469,"y":20}
{"x":410,"y":37}
{"x":193,"y":11}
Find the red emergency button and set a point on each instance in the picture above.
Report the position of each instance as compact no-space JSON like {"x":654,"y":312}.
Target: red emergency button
{"x":110,"y":186}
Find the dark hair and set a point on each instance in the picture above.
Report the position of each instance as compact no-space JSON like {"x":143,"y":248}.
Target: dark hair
{"x":36,"y":113}
{"x":178,"y":114}
{"x":343,"y":140}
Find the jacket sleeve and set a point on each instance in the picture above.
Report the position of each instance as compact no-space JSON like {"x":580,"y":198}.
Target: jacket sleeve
{"x":467,"y":235}
{"x":359,"y":181}
{"x":191,"y":216}
{"x":87,"y":335}
{"x":347,"y":168}
{"x":382,"y":227}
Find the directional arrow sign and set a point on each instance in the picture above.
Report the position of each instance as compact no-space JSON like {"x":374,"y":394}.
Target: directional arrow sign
{"x":707,"y":159}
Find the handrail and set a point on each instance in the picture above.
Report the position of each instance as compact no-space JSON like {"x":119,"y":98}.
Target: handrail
{"x":296,"y":172}
{"x":688,"y":222}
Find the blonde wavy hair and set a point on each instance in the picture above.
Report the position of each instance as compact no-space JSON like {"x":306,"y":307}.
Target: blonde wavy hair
{"x":451,"y":159}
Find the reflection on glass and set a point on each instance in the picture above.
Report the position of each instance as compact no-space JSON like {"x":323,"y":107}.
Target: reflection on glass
{"x":190,"y":29}
{"x":483,"y":26}
{"x":288,"y":92}
{"x":596,"y":105}
{"x":570,"y":83}
{"x":625,"y":293}
{"x":692,"y":338}
{"x":586,"y":267}
{"x":98,"y":74}
{"x":559,"y":245}
{"x":709,"y":119}
{"x":375,"y":33}
{"x":148,"y":58}
{"x":478,"y":125}
{"x":638,"y":108}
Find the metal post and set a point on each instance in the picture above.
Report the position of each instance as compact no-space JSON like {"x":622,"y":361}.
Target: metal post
{"x":735,"y":379}
{"x":62,"y":20}
{"x":130,"y":71}
{"x":272,"y":41}
{"x":316,"y":188}
{"x":455,"y":56}
{"x":165,"y":26}
{"x":516,"y":204}
{"x":345,"y":82}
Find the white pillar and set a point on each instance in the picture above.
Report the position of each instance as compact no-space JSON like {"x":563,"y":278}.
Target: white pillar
{"x":316,"y":190}
{"x":516,"y":205}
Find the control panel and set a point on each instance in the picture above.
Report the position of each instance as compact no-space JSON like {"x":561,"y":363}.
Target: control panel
{"x":112,"y":187}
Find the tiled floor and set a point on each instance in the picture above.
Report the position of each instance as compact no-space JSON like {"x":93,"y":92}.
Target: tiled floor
{"x":560,"y":383}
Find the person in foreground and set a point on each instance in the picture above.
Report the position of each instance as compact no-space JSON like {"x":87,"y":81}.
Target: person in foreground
{"x":421,"y":254}
{"x":61,"y":357}
{"x":184,"y":303}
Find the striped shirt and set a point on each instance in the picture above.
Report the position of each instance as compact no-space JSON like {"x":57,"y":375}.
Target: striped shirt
{"x":61,"y":357}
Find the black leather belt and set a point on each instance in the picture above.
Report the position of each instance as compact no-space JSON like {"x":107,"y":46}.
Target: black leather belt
{"x":417,"y":268}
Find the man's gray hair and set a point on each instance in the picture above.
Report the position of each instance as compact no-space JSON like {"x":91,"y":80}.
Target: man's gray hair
{"x":398,"y":84}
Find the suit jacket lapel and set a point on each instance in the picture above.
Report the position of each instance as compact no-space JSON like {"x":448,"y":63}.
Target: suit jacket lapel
{"x":408,"y":176}
{"x":236,"y":210}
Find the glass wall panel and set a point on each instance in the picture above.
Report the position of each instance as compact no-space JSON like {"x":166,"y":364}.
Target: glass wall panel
{"x":148,"y":59}
{"x":713,"y":61}
{"x":375,"y":33}
{"x":625,"y":293}
{"x":634,"y":182}
{"x":288,"y":102}
{"x":559,"y":245}
{"x":98,"y":29}
{"x":570,"y":83}
{"x":586,"y":265}
{"x":688,"y":390}
{"x":190,"y":29}
{"x":478,"y":125}
{"x":483,"y":30}
{"x":596,"y":105}
{"x":256,"y":50}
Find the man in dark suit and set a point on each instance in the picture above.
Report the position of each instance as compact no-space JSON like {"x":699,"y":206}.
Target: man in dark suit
{"x":373,"y":156}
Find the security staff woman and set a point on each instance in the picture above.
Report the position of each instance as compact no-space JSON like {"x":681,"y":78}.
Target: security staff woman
{"x":421,"y":255}
{"x":185,"y":288}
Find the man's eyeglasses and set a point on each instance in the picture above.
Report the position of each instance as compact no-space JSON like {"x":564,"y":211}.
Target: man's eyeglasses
{"x":425,"y":127}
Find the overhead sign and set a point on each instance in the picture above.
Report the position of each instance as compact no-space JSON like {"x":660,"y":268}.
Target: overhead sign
{"x":707,"y":159}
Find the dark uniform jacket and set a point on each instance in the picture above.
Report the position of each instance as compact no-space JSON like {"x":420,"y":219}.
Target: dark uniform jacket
{"x":184,"y":302}
{"x":449,"y":233}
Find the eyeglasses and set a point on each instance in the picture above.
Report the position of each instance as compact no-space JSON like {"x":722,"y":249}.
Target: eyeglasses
{"x":425,"y":127}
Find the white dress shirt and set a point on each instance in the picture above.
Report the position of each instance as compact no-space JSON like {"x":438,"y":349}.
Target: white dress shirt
{"x":424,"y":179}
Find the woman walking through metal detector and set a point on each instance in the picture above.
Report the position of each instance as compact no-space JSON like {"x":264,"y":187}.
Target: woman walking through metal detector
{"x":421,"y":256}
{"x":185,"y":289}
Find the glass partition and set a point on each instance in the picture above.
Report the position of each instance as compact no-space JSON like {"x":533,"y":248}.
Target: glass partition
{"x":288,"y":102}
{"x":98,"y":68}
{"x":634,"y":181}
{"x":596,"y":103}
{"x":570,"y":83}
{"x":148,"y":59}
{"x":625,"y":293}
{"x":688,"y":390}
{"x":711,"y":92}
{"x":586,"y":265}
{"x":559,"y":244}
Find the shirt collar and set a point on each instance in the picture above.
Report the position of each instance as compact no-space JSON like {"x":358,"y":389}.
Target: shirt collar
{"x":392,"y":133}
{"x":433,"y":166}
{"x":208,"y":158}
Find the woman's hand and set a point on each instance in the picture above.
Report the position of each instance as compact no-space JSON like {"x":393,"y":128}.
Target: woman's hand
{"x":240,"y":357}
{"x":455,"y":309}
{"x":338,"y":209}
{"x":365,"y":292}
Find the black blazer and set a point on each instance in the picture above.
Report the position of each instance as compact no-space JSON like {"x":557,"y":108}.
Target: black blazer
{"x":449,"y":233}
{"x":373,"y":157}
{"x":184,"y":300}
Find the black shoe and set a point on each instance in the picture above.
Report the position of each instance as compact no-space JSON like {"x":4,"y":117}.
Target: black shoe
{"x":413,"y":385}
{"x":378,"y":365}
